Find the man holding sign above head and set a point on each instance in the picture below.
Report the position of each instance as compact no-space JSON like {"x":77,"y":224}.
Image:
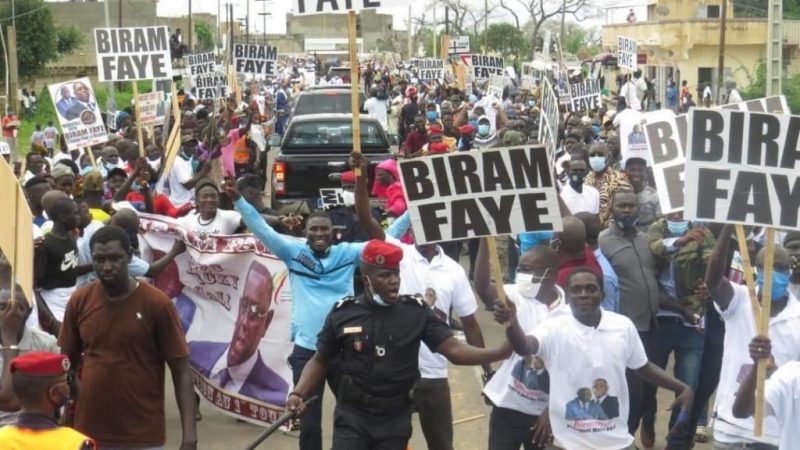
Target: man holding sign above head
{"x":734,"y":303}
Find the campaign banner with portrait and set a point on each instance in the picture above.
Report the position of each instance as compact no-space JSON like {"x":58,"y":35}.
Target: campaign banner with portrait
{"x":234,"y":301}
{"x":152,"y":108}
{"x":78,"y":113}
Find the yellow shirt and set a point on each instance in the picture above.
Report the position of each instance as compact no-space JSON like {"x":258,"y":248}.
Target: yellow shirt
{"x":61,"y":438}
{"x":99,"y":215}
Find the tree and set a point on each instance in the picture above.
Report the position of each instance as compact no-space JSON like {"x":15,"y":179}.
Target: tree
{"x":580,"y":41}
{"x":205,"y":37}
{"x":39,"y":41}
{"x":539,"y":11}
{"x":505,"y":39}
{"x":758,"y":87}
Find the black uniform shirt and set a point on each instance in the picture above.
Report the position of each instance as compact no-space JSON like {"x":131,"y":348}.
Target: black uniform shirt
{"x":377,"y":346}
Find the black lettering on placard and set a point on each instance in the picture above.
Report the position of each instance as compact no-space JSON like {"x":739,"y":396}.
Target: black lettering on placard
{"x":748,"y":183}
{"x":530,"y":168}
{"x":736,"y":140}
{"x":789,"y":201}
{"x":531,"y":212}
{"x":466,"y":215}
{"x":708,"y":193}
{"x":682,"y":122}
{"x":707,"y":142}
{"x":431,"y":221}
{"x":663,"y":144}
{"x":440,"y":172}
{"x":500,"y":214}
{"x":764,"y":132}
{"x":673,"y":177}
{"x":790,"y":151}
{"x":463,"y":169}
{"x":416,"y":182}
{"x":495,"y":173}
{"x":101,"y":39}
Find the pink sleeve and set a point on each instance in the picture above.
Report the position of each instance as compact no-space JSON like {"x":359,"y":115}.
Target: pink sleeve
{"x":395,"y":200}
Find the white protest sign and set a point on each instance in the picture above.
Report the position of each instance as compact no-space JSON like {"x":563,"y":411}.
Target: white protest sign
{"x":430,"y":69}
{"x":78,"y":113}
{"x":216,"y":284}
{"x":151,"y":108}
{"x":743,"y":168}
{"x":487,"y":103}
{"x":473,"y":194}
{"x":129,"y":54}
{"x":331,"y":196}
{"x":303,"y":7}
{"x":482,"y":67}
{"x":666,"y":141}
{"x":496,"y":85}
{"x":459,"y":44}
{"x":626,"y":53}
{"x":211,"y":86}
{"x":201,"y":63}
{"x":585,"y":96}
{"x":255,"y":59}
{"x":632,"y":141}
{"x":549,"y":119}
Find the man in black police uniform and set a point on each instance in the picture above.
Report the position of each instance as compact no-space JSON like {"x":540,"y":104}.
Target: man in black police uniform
{"x":376,"y":337}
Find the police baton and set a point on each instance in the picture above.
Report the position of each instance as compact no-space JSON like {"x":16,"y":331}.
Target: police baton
{"x":278,"y":423}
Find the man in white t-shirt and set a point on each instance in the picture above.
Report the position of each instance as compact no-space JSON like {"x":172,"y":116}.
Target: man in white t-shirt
{"x":427,"y":270}
{"x":586,"y":353}
{"x":379,"y":109}
{"x":781,"y":393}
{"x":182,"y":176}
{"x":577,"y":196}
{"x":519,"y":389}
{"x":207,"y":218}
{"x":628,"y":92}
{"x":733,"y":302}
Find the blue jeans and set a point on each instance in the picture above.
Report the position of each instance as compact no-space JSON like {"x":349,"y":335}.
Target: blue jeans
{"x":311,"y":420}
{"x":687,"y":344}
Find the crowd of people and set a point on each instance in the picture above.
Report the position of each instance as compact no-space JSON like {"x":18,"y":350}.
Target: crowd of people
{"x":593,"y":313}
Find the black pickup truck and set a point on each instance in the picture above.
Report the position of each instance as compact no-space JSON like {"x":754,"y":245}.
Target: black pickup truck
{"x":314,"y":150}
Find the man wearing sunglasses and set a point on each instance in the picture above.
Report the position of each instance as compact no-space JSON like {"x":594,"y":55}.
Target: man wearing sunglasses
{"x":239,"y":366}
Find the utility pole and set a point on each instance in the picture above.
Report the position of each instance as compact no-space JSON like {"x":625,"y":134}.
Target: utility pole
{"x":447,"y":20}
{"x":723,"y":25}
{"x":119,"y":13}
{"x":434,"y":30}
{"x":219,"y":24}
{"x":410,"y":50}
{"x":774,"y":47}
{"x":563,"y":20}
{"x":191,"y":29}
{"x":13,"y":75}
{"x":485,"y":24}
{"x":108,"y":25}
{"x":247,"y":24}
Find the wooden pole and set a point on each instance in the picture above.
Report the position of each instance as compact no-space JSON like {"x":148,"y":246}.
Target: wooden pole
{"x":138,"y":119}
{"x":89,"y":152}
{"x":748,"y":273}
{"x":763,"y":330}
{"x":12,"y":259}
{"x":445,"y":48}
{"x":355,"y":103}
{"x":497,"y":271}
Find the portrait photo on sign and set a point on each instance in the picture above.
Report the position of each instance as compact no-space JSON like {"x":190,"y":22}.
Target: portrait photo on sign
{"x":73,"y":98}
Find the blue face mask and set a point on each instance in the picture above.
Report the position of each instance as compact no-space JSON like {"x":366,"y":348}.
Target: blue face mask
{"x":678,"y":228}
{"x":432,"y":116}
{"x":531,"y":103}
{"x":195,"y":164}
{"x":473,"y":123}
{"x":375,"y":297}
{"x":596,"y":130}
{"x":483,"y":130}
{"x":597,"y":163}
{"x":780,"y":284}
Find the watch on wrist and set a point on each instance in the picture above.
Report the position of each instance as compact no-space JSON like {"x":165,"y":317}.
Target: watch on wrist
{"x":10,"y":347}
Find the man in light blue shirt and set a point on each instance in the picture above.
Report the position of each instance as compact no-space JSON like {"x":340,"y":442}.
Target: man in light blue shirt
{"x":321,"y":274}
{"x":610,"y":281}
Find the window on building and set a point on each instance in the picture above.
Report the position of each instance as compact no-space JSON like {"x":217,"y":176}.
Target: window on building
{"x":712,"y":11}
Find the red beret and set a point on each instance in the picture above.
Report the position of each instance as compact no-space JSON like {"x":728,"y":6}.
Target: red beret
{"x":466,"y":129}
{"x":435,"y":129}
{"x":349,"y":177}
{"x":41,"y":364}
{"x":382,"y":255}
{"x":438,"y":148}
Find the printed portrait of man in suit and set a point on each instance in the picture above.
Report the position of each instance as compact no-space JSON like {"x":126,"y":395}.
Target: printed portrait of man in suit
{"x":238,"y":366}
{"x":609,"y":404}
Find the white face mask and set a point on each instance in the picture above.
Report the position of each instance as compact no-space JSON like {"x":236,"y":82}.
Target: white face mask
{"x":526,"y":286}
{"x":349,"y":198}
{"x":375,"y":297}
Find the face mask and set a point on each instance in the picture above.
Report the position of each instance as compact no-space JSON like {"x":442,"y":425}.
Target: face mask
{"x":780,"y":284}
{"x":349,"y":198}
{"x":195,"y":164}
{"x":483,"y":130}
{"x":625,"y":223}
{"x":596,"y":130}
{"x":432,"y":116}
{"x":531,"y":103}
{"x":473,"y":123}
{"x":576,"y":179}
{"x":597,"y":163}
{"x":526,"y":286}
{"x":678,"y":228}
{"x":375,"y":297}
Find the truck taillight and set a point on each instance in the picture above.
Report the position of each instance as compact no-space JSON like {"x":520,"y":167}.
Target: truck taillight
{"x":279,"y":178}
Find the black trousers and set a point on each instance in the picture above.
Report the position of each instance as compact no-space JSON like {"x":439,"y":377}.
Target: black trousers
{"x":311,"y":421}
{"x":510,"y":429}
{"x":432,"y":402}
{"x":358,"y":429}
{"x":710,"y":368}
{"x":640,"y":391}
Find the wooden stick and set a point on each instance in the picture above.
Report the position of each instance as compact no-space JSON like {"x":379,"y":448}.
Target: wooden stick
{"x":748,"y":273}
{"x":138,"y":118}
{"x":12,"y":259}
{"x":763,"y":330}
{"x":355,"y":103}
{"x":497,"y":271}
{"x":468,"y":419}
{"x":444,"y":48}
{"x":89,"y":152}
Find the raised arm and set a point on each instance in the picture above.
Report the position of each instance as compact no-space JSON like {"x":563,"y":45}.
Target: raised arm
{"x":365,"y":219}
{"x":484,"y":287}
{"x":521,"y":344}
{"x":719,"y":287}
{"x":160,"y":264}
{"x":279,"y":245}
{"x":744,"y":403}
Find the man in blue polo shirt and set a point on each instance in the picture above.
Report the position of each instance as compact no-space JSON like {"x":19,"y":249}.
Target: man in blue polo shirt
{"x":321,"y":274}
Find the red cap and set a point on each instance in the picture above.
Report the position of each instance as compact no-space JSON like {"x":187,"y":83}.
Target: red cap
{"x":40,"y":364}
{"x":438,"y":148}
{"x":349,"y":177}
{"x":435,"y":129}
{"x":382,"y":255}
{"x":411,"y":91}
{"x":466,"y":129}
